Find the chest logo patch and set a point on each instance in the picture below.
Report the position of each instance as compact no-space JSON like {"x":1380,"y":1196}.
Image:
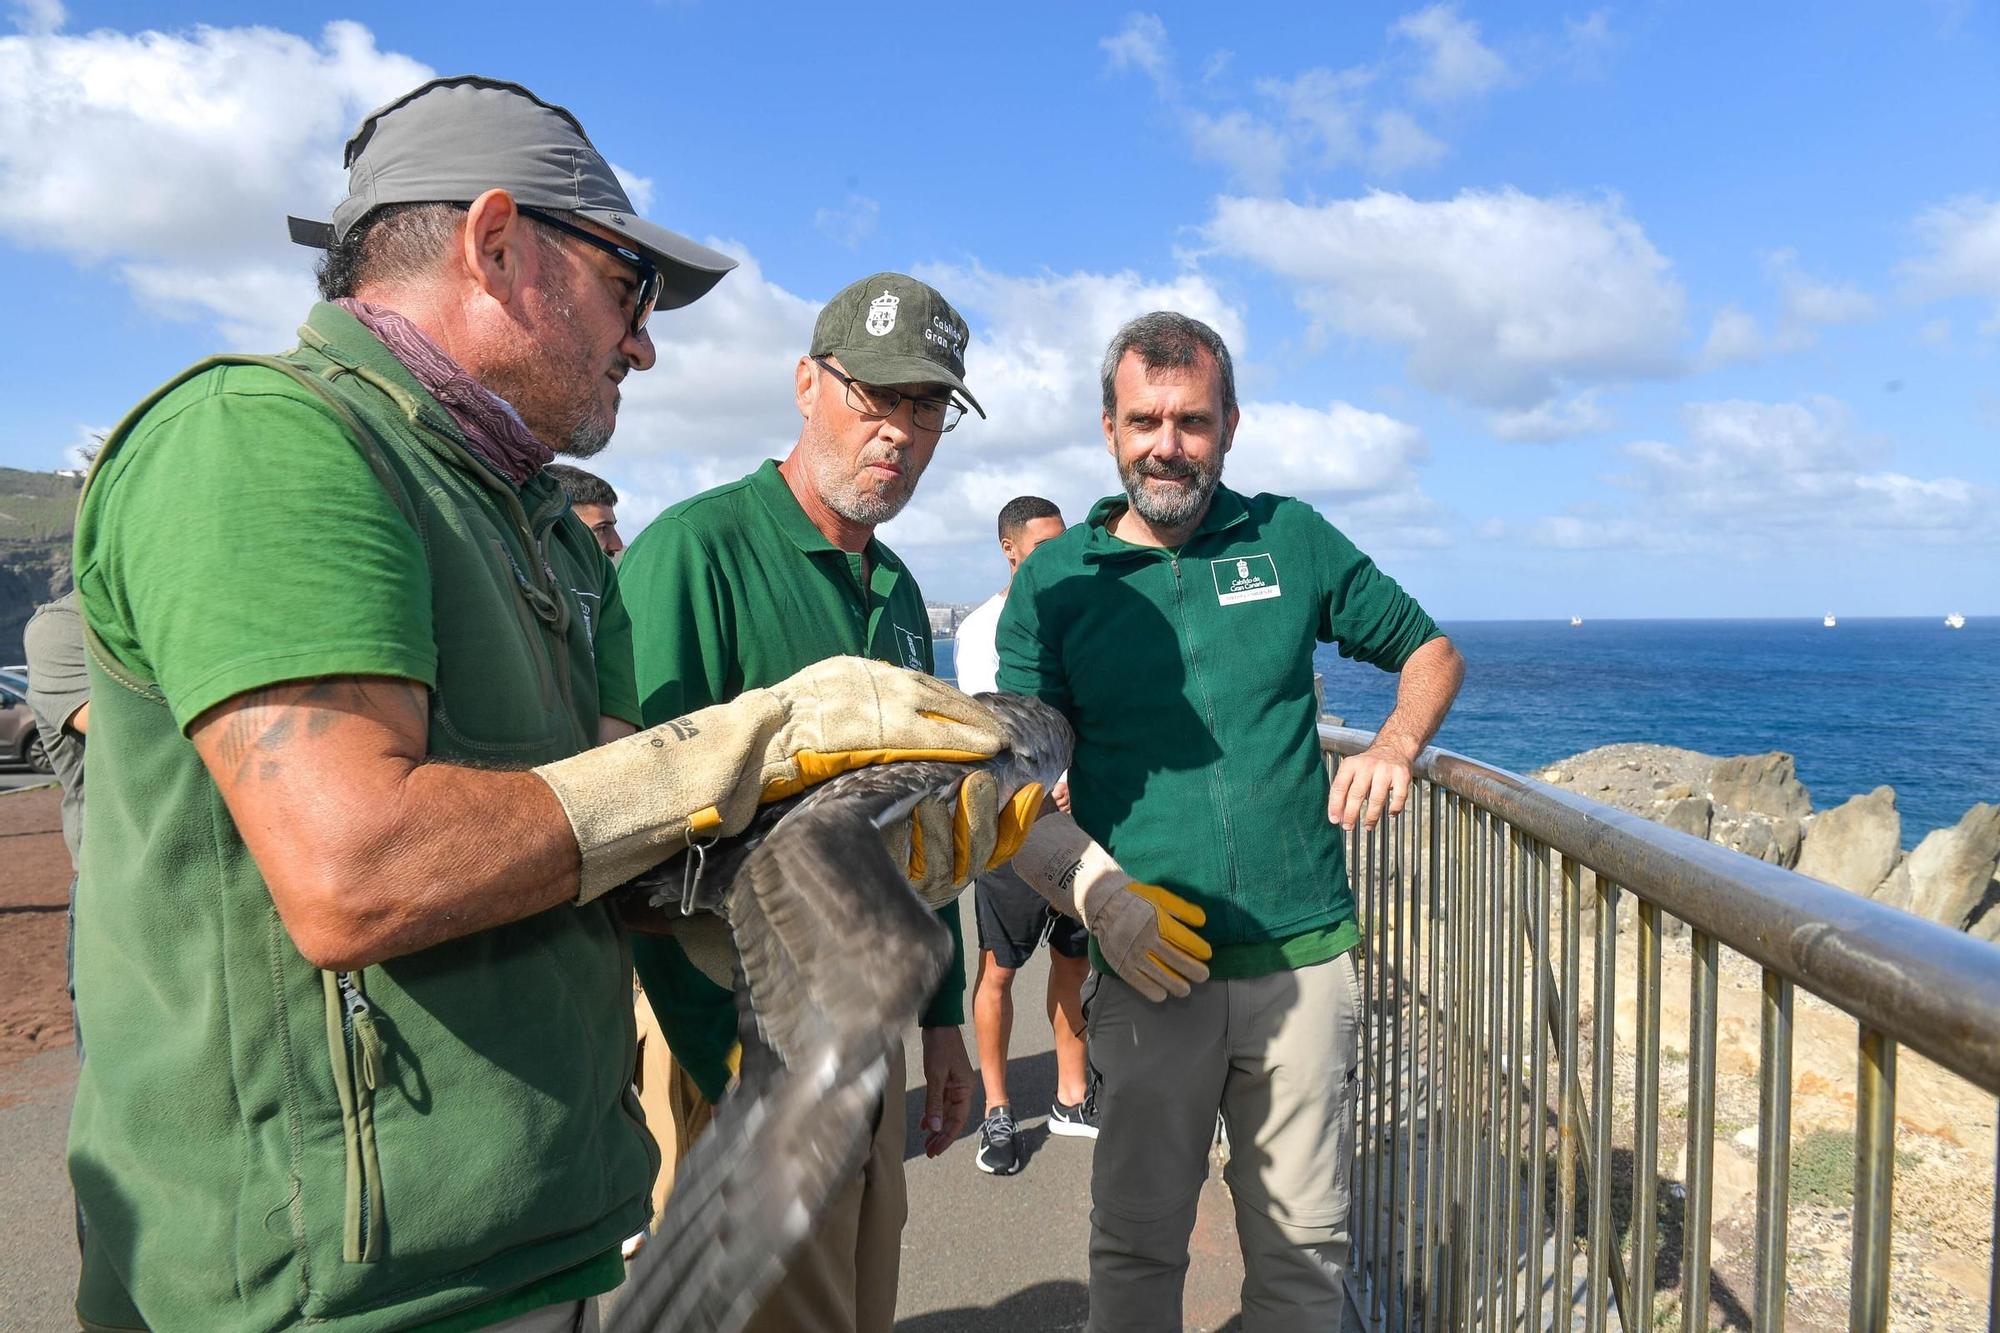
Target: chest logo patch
{"x":1245,"y":578}
{"x":913,"y":649}
{"x":882,"y":314}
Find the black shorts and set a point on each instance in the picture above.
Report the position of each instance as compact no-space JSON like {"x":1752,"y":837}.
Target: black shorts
{"x":1013,"y":919}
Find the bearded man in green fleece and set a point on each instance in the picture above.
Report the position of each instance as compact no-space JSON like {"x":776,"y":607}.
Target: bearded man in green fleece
{"x":363,"y":767}
{"x":1175,"y":629}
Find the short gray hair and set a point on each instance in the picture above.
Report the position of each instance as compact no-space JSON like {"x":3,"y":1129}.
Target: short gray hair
{"x":397,"y":244}
{"x":1164,"y":340}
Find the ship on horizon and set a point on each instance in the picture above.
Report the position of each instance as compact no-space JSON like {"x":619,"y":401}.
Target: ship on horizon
{"x":1954,"y":621}
{"x":1828,"y":620}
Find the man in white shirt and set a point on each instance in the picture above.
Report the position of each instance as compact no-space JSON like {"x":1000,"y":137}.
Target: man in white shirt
{"x":1013,"y":918}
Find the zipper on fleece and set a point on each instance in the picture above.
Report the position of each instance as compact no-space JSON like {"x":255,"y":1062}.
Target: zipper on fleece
{"x":1218,"y":790}
{"x":355,"y":1048}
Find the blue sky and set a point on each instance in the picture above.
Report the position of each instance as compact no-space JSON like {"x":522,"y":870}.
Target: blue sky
{"x":1643,"y":309}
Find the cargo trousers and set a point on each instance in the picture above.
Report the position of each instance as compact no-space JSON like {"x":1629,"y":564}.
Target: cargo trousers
{"x":1276,"y":1057}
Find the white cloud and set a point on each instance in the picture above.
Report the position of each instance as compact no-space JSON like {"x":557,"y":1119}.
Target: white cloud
{"x":1935,"y":333}
{"x":1401,"y":145}
{"x":1733,"y":337}
{"x":1318,"y":120}
{"x":1502,"y":298}
{"x":639,"y":189}
{"x":1588,"y":41}
{"x":1142,"y":45}
{"x":1751,"y":475}
{"x":39,"y":17}
{"x":83,"y":446}
{"x":252,"y":120}
{"x":1547,"y":422}
{"x":1807,"y":304}
{"x":1457,"y":66}
{"x":851,"y":223}
{"x":1253,"y":151}
{"x":1961,"y":253}
{"x":1337,"y":452}
{"x":719,"y":400}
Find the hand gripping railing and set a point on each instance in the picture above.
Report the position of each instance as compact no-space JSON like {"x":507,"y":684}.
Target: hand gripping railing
{"x":1472,"y":1086}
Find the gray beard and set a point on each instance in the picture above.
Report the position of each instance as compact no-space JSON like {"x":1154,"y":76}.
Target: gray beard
{"x":1172,"y":509}
{"x":838,"y":492}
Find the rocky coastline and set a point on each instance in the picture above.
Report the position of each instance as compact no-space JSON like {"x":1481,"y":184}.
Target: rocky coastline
{"x":1756,"y":805}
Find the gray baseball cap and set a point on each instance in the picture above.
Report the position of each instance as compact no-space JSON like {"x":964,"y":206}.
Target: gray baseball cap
{"x":889,"y":328}
{"x":455,"y":138}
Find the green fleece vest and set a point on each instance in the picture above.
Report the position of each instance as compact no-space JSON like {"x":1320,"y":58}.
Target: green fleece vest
{"x":261,"y":1145}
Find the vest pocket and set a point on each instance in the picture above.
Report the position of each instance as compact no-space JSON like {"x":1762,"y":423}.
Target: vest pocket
{"x":356,"y":1052}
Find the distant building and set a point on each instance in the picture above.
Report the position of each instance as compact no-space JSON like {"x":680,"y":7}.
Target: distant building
{"x":944,"y":620}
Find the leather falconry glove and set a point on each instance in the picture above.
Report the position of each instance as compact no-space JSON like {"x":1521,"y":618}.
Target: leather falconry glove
{"x":1144,"y":931}
{"x":639,"y":800}
{"x":945,"y":842}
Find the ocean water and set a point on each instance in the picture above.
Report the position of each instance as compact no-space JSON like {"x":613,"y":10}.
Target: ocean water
{"x":1904,"y":702}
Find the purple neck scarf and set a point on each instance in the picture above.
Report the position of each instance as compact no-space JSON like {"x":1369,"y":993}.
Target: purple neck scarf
{"x":492,"y":427}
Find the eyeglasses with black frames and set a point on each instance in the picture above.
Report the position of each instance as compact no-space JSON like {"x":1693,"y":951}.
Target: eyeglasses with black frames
{"x":644,"y":296}
{"x":875,"y":402}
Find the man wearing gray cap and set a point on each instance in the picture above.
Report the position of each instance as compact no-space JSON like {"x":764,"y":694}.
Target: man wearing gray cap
{"x":744,"y":585}
{"x":363,"y":765}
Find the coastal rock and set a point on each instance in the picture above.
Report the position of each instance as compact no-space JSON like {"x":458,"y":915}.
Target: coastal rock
{"x":1855,"y":844}
{"x":1987,"y":927}
{"x":1756,"y":835}
{"x":1947,"y":876}
{"x":1764,"y":784}
{"x":1689,"y":814}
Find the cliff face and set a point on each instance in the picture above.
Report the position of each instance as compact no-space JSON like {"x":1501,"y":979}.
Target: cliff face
{"x":37,"y":520}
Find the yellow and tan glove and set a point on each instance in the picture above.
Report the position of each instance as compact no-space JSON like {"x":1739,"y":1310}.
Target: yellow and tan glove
{"x":637,"y":801}
{"x":1144,"y":931}
{"x":942,"y":845}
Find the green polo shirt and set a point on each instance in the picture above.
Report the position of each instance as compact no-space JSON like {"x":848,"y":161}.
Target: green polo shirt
{"x":1187,"y":674}
{"x":733,"y":590}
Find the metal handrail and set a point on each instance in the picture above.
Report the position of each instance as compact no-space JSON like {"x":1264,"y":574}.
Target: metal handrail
{"x":1456,"y":1104}
{"x":1933,"y":989}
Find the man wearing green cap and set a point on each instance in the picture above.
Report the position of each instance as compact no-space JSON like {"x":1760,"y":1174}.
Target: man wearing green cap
{"x":744,"y":585}
{"x":361,"y":1033}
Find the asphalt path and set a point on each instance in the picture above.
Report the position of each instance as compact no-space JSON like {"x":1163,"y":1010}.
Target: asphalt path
{"x":1007,"y":1254}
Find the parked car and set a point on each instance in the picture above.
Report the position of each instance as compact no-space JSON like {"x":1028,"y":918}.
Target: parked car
{"x":20,"y":743}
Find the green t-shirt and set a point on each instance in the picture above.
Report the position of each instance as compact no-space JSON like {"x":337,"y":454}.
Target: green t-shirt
{"x":472,"y":1137}
{"x":1187,"y":674}
{"x":733,"y":590}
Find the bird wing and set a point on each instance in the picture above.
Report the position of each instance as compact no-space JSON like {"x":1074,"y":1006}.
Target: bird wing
{"x":839,"y":955}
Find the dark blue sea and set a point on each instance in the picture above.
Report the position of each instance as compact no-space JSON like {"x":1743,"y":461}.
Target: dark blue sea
{"x":1903,"y":702}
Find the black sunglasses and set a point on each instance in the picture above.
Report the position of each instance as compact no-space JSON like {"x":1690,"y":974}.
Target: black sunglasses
{"x":645,"y":296}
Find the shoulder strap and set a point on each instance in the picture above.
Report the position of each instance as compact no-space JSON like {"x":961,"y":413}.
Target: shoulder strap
{"x":364,"y":437}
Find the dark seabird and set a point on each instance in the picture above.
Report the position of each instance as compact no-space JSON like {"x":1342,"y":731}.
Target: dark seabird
{"x":838,"y":955}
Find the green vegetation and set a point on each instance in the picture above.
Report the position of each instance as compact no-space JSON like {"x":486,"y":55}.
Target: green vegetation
{"x":36,"y":506}
{"x":1823,"y":1168}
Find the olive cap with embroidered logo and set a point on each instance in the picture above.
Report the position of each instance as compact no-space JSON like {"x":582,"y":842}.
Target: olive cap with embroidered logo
{"x":891,"y":329}
{"x":452,"y":139}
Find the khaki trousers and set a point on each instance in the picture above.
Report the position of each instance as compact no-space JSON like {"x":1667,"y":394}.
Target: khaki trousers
{"x":843,"y":1279}
{"x":1274,"y":1055}
{"x":675,"y":1109}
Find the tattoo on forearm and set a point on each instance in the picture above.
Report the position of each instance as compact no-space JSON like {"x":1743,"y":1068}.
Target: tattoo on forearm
{"x":268,"y":720}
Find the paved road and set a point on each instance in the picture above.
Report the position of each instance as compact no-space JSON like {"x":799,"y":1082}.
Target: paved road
{"x":38,"y":1262}
{"x":11,"y":778}
{"x":1008,"y":1254}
